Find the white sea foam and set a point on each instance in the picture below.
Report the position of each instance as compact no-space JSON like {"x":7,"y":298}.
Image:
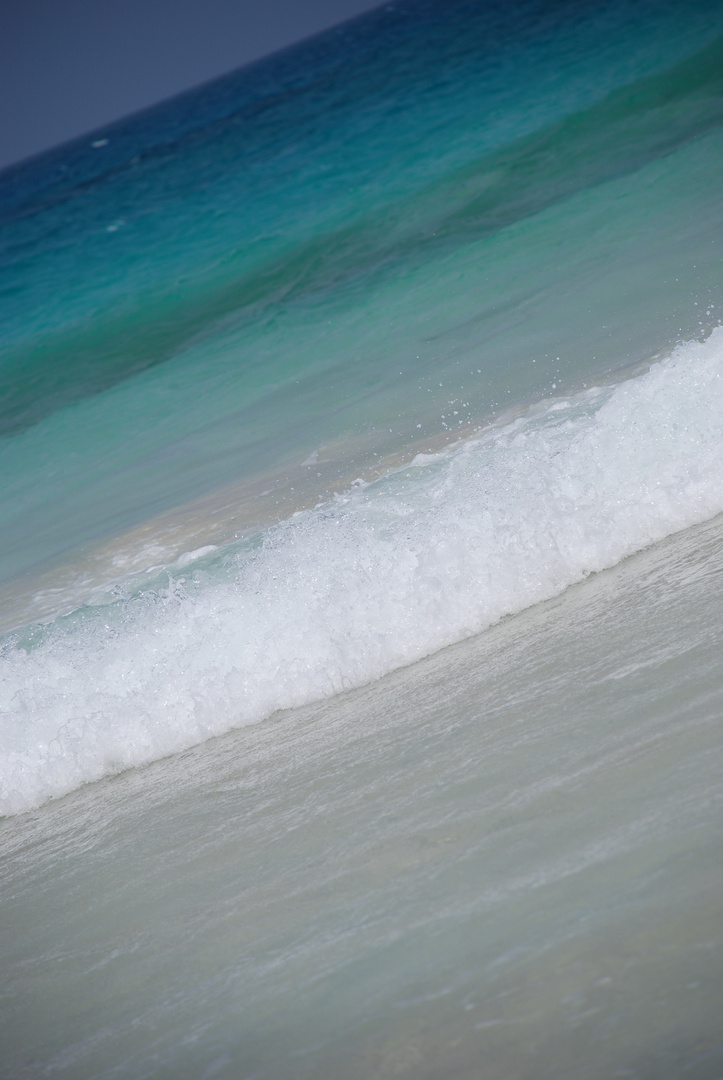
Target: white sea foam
{"x":381,"y":576}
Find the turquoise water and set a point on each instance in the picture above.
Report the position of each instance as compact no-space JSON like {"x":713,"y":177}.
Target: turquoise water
{"x":232,"y":281}
{"x":395,"y":357}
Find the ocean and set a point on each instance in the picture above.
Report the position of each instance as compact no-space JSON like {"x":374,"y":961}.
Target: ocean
{"x":361,"y":561}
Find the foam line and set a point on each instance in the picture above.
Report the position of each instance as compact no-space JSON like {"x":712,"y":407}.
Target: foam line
{"x":383,"y":575}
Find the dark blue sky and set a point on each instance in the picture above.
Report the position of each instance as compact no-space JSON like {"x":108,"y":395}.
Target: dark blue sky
{"x":69,"y":66}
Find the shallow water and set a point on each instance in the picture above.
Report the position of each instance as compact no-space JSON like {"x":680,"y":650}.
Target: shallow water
{"x":505,"y":859}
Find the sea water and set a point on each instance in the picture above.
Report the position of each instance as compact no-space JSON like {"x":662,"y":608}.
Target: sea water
{"x":361,"y":481}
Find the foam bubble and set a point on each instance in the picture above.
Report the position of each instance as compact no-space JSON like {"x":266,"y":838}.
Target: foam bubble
{"x":383,"y":575}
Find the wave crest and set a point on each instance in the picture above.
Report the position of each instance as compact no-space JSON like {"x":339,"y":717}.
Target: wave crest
{"x":383,"y":575}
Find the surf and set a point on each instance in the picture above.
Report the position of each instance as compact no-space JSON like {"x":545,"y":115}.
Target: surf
{"x":379,"y":576}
